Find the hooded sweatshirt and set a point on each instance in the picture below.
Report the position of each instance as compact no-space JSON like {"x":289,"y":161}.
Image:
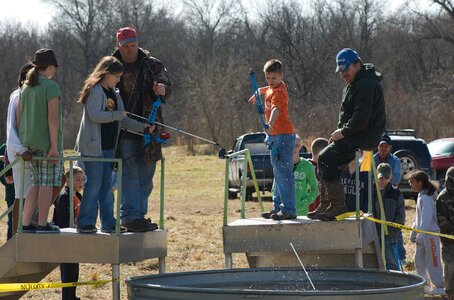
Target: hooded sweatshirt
{"x":426,"y":215}
{"x":363,"y":106}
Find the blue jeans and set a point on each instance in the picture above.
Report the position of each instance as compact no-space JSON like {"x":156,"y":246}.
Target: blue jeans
{"x":391,"y":256}
{"x":137,"y":180}
{"x":400,"y":247}
{"x":284,"y":197}
{"x":98,"y":193}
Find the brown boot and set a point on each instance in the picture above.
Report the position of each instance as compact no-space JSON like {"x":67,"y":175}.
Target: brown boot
{"x":324,"y":201}
{"x":336,"y":195}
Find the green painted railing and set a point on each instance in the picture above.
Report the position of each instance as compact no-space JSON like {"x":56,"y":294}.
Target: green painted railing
{"x":246,"y":156}
{"x":71,"y":160}
{"x":384,"y":227}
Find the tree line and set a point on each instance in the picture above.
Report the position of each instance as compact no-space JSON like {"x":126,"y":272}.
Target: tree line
{"x":210,"y":46}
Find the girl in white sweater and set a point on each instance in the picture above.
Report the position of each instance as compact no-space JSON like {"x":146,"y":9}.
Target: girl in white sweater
{"x":427,"y":256}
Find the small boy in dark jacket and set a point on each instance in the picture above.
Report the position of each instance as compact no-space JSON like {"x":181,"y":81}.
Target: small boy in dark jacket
{"x":394,"y":206}
{"x":445,"y":217}
{"x":69,"y":271}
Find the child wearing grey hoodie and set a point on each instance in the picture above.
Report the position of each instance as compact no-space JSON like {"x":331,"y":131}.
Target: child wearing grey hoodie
{"x":427,"y":255}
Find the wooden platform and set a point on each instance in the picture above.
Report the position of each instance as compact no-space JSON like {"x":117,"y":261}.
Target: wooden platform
{"x":266,"y":243}
{"x":71,"y":247}
{"x":29,"y":257}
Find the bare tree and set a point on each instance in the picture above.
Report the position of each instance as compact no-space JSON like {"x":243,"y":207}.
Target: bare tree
{"x":18,"y":43}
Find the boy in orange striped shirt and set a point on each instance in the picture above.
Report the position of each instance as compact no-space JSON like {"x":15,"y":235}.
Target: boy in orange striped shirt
{"x":282,"y":141}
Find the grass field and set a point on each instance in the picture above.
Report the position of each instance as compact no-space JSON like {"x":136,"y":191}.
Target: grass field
{"x":194,"y":191}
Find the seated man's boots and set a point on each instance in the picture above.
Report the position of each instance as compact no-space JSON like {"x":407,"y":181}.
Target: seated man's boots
{"x":336,"y":196}
{"x":324,"y":201}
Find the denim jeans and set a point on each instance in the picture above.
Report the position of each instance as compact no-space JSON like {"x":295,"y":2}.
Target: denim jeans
{"x":400,"y":247}
{"x":98,"y":193}
{"x":391,"y":255}
{"x":284,"y":197}
{"x":137,"y":180}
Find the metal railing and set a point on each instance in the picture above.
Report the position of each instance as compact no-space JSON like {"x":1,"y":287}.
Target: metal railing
{"x":245,"y":156}
{"x":71,"y":160}
{"x":373,"y":170}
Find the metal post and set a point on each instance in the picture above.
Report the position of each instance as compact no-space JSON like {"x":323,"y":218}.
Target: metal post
{"x":162,"y":260}
{"x":357,"y":183}
{"x":117,"y":211}
{"x":21,"y":196}
{"x":359,"y":257}
{"x":162,"y":265}
{"x":243,"y":188}
{"x":228,"y":260}
{"x":384,"y":227}
{"x":115,"y":281}
{"x":226,"y":189}
{"x":254,"y":180}
{"x":71,"y":194}
{"x":161,"y":194}
{"x":369,"y":191}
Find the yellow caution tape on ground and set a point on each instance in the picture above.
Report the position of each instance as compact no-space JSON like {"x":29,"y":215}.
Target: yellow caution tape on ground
{"x":392,"y":224}
{"x":17,"y":287}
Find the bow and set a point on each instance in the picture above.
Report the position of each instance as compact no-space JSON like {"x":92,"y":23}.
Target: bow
{"x":147,"y":137}
{"x":258,"y":99}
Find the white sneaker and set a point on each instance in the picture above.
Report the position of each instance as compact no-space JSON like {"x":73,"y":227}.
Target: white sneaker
{"x":434,"y":291}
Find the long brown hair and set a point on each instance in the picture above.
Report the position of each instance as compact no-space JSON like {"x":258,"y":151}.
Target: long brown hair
{"x":32,"y":76}
{"x":421,"y":176}
{"x":107,"y":65}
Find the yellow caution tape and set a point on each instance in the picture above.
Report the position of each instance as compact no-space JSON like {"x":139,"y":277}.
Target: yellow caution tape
{"x":392,"y":224}
{"x":17,"y":287}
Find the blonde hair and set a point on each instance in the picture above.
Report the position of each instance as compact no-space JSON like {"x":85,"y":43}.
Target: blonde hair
{"x":76,"y":170}
{"x":318,"y":144}
{"x":107,"y":65}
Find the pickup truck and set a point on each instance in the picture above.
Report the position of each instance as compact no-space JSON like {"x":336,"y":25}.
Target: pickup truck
{"x":413,"y":154}
{"x":260,"y":156}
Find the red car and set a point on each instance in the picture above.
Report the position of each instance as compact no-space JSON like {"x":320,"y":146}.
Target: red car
{"x":442,"y":152}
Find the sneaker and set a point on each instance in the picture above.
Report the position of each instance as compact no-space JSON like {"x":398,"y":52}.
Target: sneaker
{"x":438,"y":291}
{"x":28,"y":229}
{"x":268,"y":215}
{"x":48,"y":228}
{"x":282,"y":215}
{"x":87,"y":229}
{"x":140,"y":225}
{"x":112,"y":230}
{"x":434,"y":291}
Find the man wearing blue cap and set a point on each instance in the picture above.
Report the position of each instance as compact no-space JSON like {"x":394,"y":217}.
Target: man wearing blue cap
{"x":362,"y":120}
{"x":384,"y":155}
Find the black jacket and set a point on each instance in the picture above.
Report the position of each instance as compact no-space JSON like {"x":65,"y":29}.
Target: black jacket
{"x":394,"y":205}
{"x":150,"y":69}
{"x":363,"y":105}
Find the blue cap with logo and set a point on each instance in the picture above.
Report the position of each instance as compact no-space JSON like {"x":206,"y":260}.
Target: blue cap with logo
{"x":345,"y":58}
{"x":385,"y":139}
